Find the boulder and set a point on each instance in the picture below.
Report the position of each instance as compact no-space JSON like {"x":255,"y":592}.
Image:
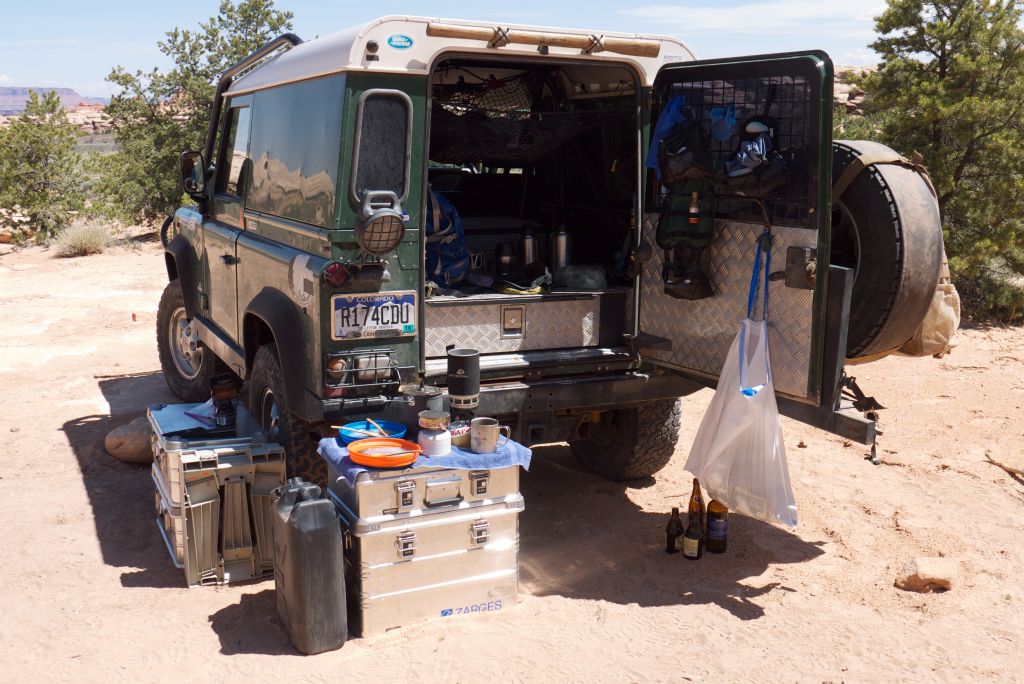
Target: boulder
{"x":130,"y":443}
{"x":925,"y":575}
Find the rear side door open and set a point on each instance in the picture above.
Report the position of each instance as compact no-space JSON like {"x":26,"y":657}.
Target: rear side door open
{"x":792,"y":93}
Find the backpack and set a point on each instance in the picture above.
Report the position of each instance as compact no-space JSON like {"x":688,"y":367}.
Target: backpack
{"x":448,"y":257}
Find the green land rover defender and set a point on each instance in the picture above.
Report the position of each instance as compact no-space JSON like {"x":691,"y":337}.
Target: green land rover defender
{"x":301,"y":265}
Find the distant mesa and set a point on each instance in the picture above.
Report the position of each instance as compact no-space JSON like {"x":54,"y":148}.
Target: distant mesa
{"x":13,"y":100}
{"x":85,"y":113}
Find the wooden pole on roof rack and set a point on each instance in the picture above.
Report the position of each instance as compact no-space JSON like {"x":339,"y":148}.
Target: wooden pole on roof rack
{"x":636,"y":47}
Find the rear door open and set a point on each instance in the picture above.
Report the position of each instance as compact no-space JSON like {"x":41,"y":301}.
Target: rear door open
{"x":794,"y":93}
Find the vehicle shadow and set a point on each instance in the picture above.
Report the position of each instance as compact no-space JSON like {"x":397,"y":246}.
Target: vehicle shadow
{"x":582,"y":537}
{"x":252,"y":626}
{"x":121,"y":494}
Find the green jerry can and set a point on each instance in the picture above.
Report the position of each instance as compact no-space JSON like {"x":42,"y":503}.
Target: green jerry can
{"x":309,"y":568}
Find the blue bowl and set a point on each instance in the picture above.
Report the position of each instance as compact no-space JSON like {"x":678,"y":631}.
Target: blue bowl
{"x":392,"y":429}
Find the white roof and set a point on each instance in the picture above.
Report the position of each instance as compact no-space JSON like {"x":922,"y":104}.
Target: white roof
{"x":405,"y":47}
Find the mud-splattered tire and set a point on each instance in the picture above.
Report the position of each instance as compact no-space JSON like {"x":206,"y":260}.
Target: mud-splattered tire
{"x":629,"y":444}
{"x":269,"y":404}
{"x":186,"y":364}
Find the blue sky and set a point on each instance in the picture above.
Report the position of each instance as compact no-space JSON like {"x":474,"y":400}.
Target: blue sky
{"x":75,"y":44}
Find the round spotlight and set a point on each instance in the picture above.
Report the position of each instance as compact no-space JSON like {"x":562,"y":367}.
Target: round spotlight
{"x":381,"y":233}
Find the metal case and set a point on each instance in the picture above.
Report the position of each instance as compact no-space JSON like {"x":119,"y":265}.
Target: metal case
{"x":421,"y":490}
{"x":213,"y":496}
{"x":413,"y":566}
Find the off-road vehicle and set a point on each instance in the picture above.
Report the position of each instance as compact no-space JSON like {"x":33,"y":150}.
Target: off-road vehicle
{"x":301,"y":267}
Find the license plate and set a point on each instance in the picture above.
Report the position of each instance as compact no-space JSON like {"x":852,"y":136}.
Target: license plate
{"x":368,"y":316}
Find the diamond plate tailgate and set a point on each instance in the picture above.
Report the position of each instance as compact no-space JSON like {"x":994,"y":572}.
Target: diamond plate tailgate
{"x":702,"y":331}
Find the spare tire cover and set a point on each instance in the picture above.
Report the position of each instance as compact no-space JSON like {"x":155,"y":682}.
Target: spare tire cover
{"x":887,"y":227}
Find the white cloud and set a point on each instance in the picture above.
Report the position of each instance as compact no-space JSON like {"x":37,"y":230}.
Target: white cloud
{"x":5,"y":79}
{"x":858,"y":58}
{"x":835,"y":18}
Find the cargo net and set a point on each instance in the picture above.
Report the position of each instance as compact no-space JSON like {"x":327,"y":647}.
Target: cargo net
{"x":787,"y":100}
{"x":494,"y":121}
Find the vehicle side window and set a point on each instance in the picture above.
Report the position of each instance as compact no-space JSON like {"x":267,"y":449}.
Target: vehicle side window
{"x":234,"y":151}
{"x":383,"y":138}
{"x":296,"y":141}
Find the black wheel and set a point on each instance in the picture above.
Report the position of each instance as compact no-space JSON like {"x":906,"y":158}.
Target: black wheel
{"x":886,"y":226}
{"x":629,"y":444}
{"x":165,"y":230}
{"x":269,"y":404}
{"x":187,"y":365}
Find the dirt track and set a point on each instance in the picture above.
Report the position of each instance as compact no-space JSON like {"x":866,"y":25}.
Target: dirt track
{"x":89,"y":594}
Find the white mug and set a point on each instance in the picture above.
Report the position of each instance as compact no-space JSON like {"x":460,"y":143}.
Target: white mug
{"x":484,"y":433}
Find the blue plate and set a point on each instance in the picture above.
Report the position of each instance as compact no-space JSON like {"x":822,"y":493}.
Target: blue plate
{"x":392,"y":429}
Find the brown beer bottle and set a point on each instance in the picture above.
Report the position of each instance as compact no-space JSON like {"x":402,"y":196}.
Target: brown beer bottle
{"x":696,"y":507}
{"x":673,"y":531}
{"x":693,"y":539}
{"x":718,"y":526}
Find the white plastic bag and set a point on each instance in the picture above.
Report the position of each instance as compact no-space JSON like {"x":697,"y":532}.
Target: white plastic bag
{"x":738,"y":453}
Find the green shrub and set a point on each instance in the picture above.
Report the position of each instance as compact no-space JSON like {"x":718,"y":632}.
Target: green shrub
{"x":83,"y":237}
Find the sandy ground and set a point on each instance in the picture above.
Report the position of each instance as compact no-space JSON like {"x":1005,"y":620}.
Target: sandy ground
{"x":89,"y":594}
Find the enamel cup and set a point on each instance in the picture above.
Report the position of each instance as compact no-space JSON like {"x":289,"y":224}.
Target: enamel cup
{"x":484,"y":434}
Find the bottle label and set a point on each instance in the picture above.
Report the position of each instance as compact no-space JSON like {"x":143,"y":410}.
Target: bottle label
{"x":679,"y":542}
{"x":691,"y":547}
{"x":718,"y":528}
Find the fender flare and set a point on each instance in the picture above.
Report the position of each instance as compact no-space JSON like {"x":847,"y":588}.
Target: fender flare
{"x":278,"y":312}
{"x":178,"y":259}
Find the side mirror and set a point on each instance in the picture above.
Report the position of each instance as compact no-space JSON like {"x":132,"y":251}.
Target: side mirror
{"x":193,"y":174}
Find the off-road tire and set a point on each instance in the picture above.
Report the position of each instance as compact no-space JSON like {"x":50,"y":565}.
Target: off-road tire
{"x":298,"y":437}
{"x":886,"y":225}
{"x":629,"y":444}
{"x":191,"y":389}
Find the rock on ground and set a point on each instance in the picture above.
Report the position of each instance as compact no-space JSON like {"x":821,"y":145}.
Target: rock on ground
{"x":130,"y":443}
{"x":926,"y":575}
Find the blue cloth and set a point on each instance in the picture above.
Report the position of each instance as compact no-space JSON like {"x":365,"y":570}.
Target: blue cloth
{"x":670,"y":116}
{"x":723,"y":122}
{"x":510,"y":454}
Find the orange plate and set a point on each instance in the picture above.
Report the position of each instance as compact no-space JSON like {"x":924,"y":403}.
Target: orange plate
{"x":383,"y":452}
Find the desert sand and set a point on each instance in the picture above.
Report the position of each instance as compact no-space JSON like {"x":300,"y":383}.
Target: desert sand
{"x":90,"y":595}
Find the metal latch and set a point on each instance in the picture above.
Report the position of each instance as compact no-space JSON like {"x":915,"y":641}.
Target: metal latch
{"x":405,"y":493}
{"x":512,"y":321}
{"x":478,"y":479}
{"x":801,"y":268}
{"x":480,"y":532}
{"x":406,"y":544}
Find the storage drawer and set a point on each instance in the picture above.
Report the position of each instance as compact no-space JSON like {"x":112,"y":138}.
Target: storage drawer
{"x":399,"y":493}
{"x":503,"y":323}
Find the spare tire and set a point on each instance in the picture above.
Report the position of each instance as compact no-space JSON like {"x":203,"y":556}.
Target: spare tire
{"x":886,"y":226}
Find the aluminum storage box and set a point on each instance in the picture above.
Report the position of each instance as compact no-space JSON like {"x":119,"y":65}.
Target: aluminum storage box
{"x":406,"y":567}
{"x":410,"y":490}
{"x":213,"y":496}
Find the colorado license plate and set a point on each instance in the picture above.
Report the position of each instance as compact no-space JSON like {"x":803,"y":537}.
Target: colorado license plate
{"x":365,"y":316}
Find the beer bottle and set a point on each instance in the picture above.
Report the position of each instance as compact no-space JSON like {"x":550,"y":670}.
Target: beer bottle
{"x":693,"y":539}
{"x":673,"y":531}
{"x":696,"y":507}
{"x":718,"y":526}
{"x":694,"y":209}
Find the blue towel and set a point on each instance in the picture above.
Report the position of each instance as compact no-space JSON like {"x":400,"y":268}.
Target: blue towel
{"x":673,"y":113}
{"x":510,"y":454}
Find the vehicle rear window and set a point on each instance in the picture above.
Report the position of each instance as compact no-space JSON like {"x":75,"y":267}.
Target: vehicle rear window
{"x":382,"y":143}
{"x":296,"y":140}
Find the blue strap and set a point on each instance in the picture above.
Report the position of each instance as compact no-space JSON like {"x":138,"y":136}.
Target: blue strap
{"x":764,"y":244}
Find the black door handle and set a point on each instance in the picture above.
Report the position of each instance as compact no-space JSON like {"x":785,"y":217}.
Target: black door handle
{"x":229,"y":259}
